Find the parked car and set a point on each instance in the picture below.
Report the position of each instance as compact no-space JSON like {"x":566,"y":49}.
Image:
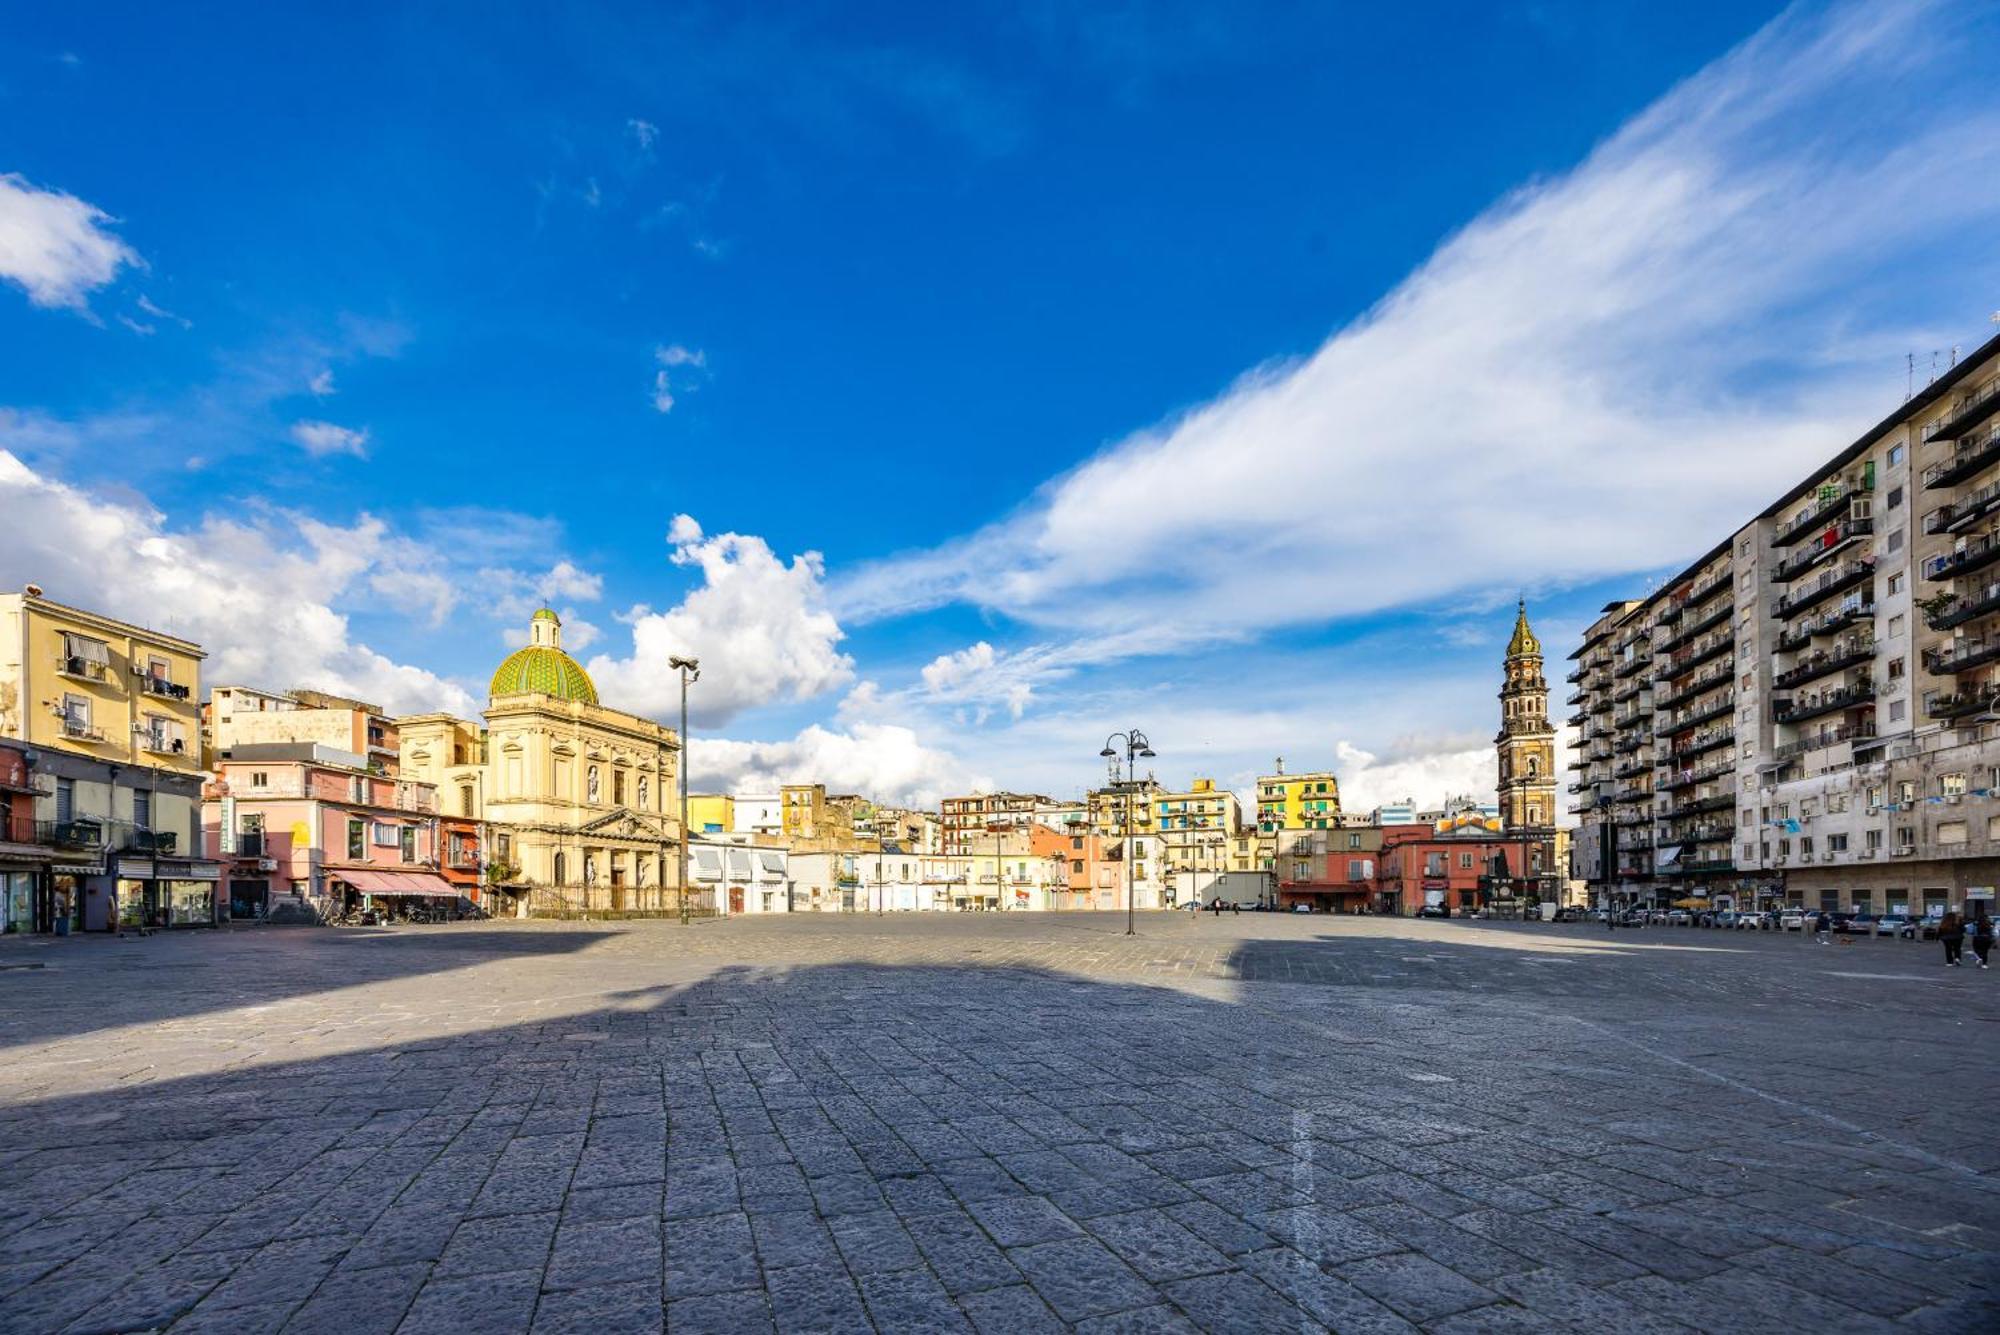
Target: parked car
{"x":1792,"y":920}
{"x":1568,"y":915}
{"x":1892,"y":924}
{"x":1855,"y":924}
{"x":1302,"y":908}
{"x":1633,"y":918}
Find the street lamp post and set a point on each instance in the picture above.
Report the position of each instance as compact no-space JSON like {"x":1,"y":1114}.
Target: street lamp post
{"x":1136,"y":745}
{"x":690,"y":670}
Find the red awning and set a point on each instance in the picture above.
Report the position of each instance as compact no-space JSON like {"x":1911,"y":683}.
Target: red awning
{"x":397,"y":883}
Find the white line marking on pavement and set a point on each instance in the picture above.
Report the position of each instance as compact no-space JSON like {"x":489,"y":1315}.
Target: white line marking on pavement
{"x":1892,"y":977}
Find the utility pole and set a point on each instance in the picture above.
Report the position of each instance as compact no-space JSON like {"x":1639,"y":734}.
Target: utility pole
{"x":690,"y":670}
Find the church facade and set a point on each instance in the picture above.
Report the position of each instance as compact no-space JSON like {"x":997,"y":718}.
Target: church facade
{"x":581,"y":800}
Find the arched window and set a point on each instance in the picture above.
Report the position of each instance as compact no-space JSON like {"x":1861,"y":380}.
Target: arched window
{"x":559,"y":869}
{"x":590,"y":795}
{"x":465,"y":799}
{"x":1534,"y":767}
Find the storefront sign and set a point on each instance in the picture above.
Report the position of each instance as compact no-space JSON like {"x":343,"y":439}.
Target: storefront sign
{"x":1979,"y":892}
{"x":228,"y":826}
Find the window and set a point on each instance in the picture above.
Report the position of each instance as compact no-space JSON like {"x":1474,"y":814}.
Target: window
{"x":409,"y":843}
{"x":260,"y":779}
{"x":357,"y":789}
{"x":1898,"y":710}
{"x":1993,"y":827}
{"x":76,"y":716}
{"x":1906,"y":790}
{"x":505,"y":847}
{"x":1743,"y":580}
{"x":142,"y":808}
{"x":84,"y":656}
{"x":1895,"y":581}
{"x":385,"y":835}
{"x":1895,"y":625}
{"x":1465,"y":862}
{"x":357,"y":839}
{"x":1806,"y":844}
{"x":1864,"y":901}
{"x":1896,"y":669}
{"x":1872,"y":840}
{"x":1075,"y":866}
{"x":465,"y":799}
{"x":1895,"y":544}
{"x":1895,"y":498}
{"x":1876,"y":792}
{"x":1906,"y":836}
{"x":618,"y":787}
{"x":1895,"y":455}
{"x":1354,"y":841}
{"x":1836,"y":843}
{"x":1951,"y":785}
{"x":1076,"y":841}
{"x":1951,"y":832}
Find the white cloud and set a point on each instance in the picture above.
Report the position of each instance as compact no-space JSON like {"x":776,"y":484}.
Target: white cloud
{"x":513,"y":595}
{"x":982,"y":674}
{"x":321,"y":385}
{"x":320,"y":439}
{"x":54,"y":245}
{"x":1599,"y":348}
{"x":146,"y":304}
{"x":644,"y":133}
{"x":677,"y":365}
{"x":883,"y":761}
{"x":758,"y":624}
{"x":258,"y":594}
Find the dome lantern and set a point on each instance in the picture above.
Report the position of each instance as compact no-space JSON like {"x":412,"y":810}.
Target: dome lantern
{"x":542,"y":668}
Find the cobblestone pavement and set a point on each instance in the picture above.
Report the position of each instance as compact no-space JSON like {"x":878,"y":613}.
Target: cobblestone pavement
{"x":996,"y":1123}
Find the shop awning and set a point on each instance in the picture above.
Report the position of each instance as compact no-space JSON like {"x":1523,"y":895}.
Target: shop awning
{"x":397,"y":883}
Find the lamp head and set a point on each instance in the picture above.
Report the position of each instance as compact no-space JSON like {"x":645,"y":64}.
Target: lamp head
{"x":1108,"y":753}
{"x":1147,"y":753}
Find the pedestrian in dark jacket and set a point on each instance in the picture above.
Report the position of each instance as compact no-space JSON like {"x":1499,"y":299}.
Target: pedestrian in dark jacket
{"x":1982,"y":937}
{"x":1951,"y":931}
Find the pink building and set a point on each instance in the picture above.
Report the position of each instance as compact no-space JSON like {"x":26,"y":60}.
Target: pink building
{"x":298,"y":829}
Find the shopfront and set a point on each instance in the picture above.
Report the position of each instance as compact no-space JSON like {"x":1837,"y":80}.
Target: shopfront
{"x":166,"y":892}
{"x":18,"y":892}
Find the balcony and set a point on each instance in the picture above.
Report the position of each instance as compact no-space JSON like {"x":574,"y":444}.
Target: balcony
{"x":1668,"y":725}
{"x":1961,"y":656}
{"x":1841,"y":577}
{"x":1631,"y":665}
{"x":171,"y":690}
{"x":83,"y":669}
{"x":1632,"y":769}
{"x":1699,"y":807}
{"x":1703,"y":591}
{"x":1977,"y":554}
{"x":139,"y":839}
{"x":1675,"y":780}
{"x":1708,"y":680}
{"x":1824,"y":664}
{"x":71,"y":833}
{"x":1965,"y":511}
{"x":1631,"y":690}
{"x":1627,"y":744}
{"x":1971,"y":457}
{"x":1801,"y":708}
{"x":1962,"y":703}
{"x":160,"y":744}
{"x":1858,"y":609}
{"x":1967,"y":415}
{"x":1691,"y":629}
{"x":1824,"y":547}
{"x":1576,"y":720}
{"x":1854,"y":732}
{"x":77,"y":731}
{"x":1823,"y":510}
{"x":1630,"y":718}
{"x":1700,"y":744}
{"x":1955,"y":609}
{"x":1698,"y":654}
{"x":1578,"y":698}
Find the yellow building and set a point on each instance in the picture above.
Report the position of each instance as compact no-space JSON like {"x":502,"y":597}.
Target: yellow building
{"x":75,"y":681}
{"x":1297,"y":801}
{"x":713,"y":813}
{"x":1194,"y":827}
{"x":110,"y":709}
{"x":584,"y":798}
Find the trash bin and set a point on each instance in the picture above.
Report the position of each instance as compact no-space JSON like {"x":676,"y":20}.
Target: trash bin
{"x":62,"y":926}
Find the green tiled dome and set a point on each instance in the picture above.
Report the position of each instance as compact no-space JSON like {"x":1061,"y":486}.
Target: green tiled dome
{"x":542,"y":668}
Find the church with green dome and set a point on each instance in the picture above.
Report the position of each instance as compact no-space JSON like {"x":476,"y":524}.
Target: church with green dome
{"x":540,"y":667}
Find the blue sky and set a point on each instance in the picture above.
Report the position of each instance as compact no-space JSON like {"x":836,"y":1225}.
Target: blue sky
{"x":1022,"y":372}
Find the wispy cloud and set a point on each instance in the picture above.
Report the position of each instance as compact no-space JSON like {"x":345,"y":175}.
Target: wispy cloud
{"x":677,"y":367}
{"x":55,"y":247}
{"x":1597,"y":347}
{"x":320,"y":439}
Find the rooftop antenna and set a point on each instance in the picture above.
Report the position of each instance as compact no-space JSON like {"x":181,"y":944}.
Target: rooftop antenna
{"x":1281,"y":764}
{"x":1910,"y":374}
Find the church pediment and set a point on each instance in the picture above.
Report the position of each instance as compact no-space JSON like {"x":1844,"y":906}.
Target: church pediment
{"x":626,"y":824}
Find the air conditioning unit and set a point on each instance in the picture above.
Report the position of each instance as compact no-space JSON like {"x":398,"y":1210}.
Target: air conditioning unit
{"x":1953,"y":799}
{"x":1902,"y":850}
{"x":267,"y":864}
{"x":1805,"y":857}
{"x":1865,"y":853}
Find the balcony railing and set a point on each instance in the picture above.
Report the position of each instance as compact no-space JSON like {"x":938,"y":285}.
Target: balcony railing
{"x":1854,"y":732}
{"x":1713,"y":584}
{"x":1972,"y":456}
{"x":1800,"y":708}
{"x":1859,"y":608}
{"x":1955,"y":609}
{"x":1961,"y":703}
{"x":1823,"y":510}
{"x":97,"y":832}
{"x":1674,"y":780}
{"x":1700,"y":653}
{"x":1830,"y":542}
{"x":1668,"y":724}
{"x":1977,"y":554}
{"x":1824,"y":664}
{"x":82,"y":669}
{"x":77,"y":731}
{"x":1964,"y":511}
{"x":1968,"y":414}
{"x":1692,"y":629}
{"x":1704,"y":741}
{"x":172,"y":690}
{"x":1844,"y":576}
{"x":1708,"y":680}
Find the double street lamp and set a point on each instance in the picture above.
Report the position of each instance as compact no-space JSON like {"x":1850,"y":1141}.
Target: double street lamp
{"x":1136,"y":747}
{"x":690,"y":670}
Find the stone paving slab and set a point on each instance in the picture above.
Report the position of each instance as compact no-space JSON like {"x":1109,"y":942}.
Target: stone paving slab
{"x":995,"y":1123}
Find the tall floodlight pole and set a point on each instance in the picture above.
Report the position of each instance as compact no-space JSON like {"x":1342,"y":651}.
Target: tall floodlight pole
{"x":690,"y":670}
{"x":1136,"y":746}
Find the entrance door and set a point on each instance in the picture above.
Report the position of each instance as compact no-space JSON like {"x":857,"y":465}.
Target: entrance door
{"x":735,"y":899}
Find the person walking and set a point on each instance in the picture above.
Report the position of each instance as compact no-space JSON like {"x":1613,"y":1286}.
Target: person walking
{"x":1951,"y":931}
{"x":1823,"y":928}
{"x":1982,"y":936}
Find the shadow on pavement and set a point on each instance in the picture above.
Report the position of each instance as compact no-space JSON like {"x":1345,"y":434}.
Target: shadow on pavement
{"x":844,"y":1145}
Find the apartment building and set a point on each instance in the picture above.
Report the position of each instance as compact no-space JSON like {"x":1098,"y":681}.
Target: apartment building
{"x":959,"y":818}
{"x":1807,"y":715}
{"x":1309,"y":801}
{"x":244,"y":716}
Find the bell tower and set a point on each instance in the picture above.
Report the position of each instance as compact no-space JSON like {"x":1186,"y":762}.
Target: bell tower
{"x":1526,"y":743}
